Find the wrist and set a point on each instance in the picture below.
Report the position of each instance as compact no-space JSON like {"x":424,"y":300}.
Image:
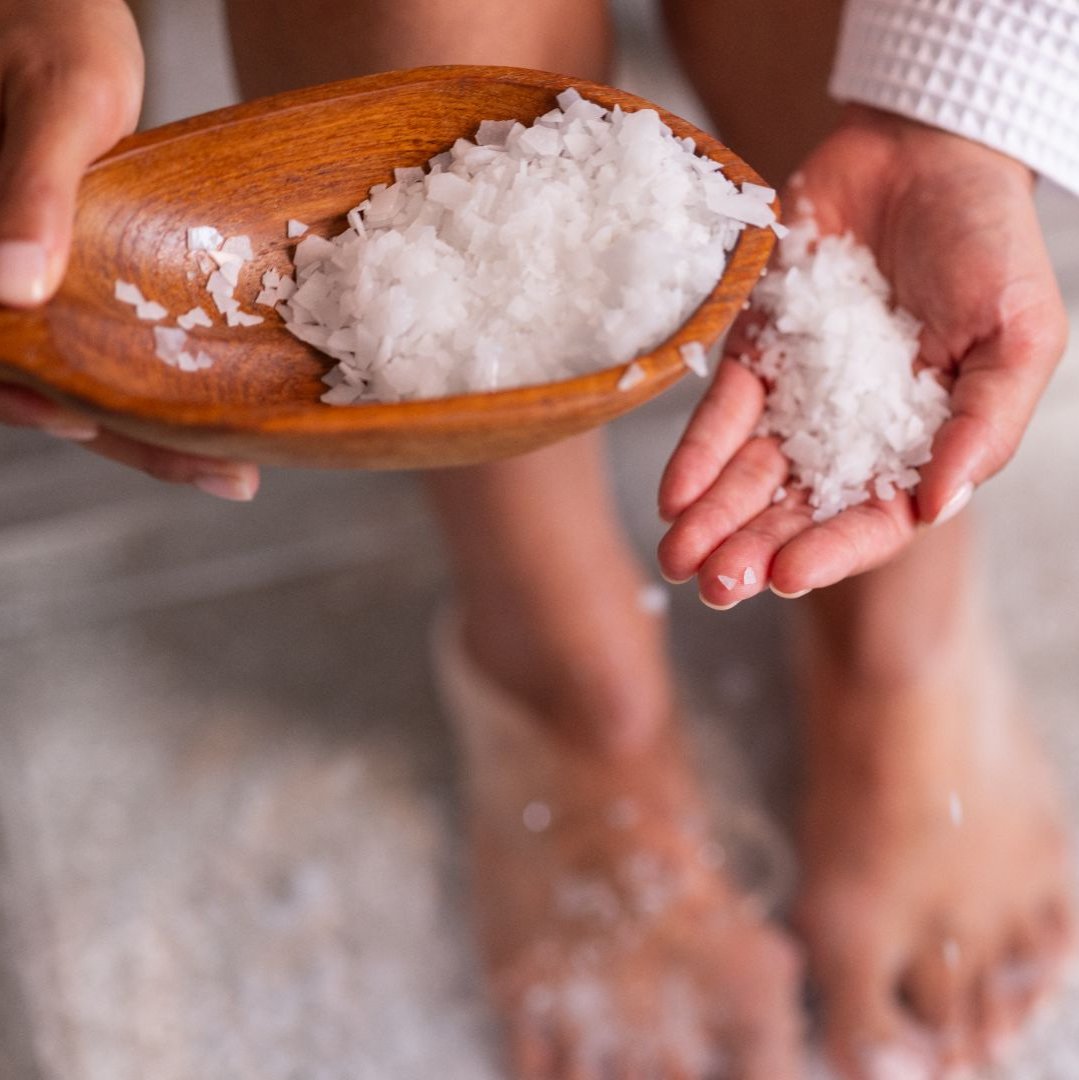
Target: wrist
{"x":922,"y":148}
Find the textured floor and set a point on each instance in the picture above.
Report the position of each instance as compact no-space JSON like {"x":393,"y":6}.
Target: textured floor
{"x":227,"y":827}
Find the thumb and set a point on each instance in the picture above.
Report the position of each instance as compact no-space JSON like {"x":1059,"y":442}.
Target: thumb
{"x":55,"y":123}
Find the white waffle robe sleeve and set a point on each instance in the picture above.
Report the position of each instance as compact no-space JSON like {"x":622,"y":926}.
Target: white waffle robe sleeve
{"x":1002,"y":72}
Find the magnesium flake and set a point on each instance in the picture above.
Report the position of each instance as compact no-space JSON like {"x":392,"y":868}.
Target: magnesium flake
{"x":524,"y":255}
{"x":855,"y":417}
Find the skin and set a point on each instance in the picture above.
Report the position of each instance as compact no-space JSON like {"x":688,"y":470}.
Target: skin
{"x":906,"y":699}
{"x":994,"y":323}
{"x":72,"y":76}
{"x":547,"y":586}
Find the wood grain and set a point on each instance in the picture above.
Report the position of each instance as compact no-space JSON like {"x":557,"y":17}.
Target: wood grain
{"x":311,"y":155}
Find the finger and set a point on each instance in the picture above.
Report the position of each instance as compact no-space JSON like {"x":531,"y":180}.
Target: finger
{"x":20,"y":407}
{"x":744,"y":489}
{"x":741,"y":566}
{"x":1000,"y":382}
{"x":235,"y":481}
{"x":720,"y":424}
{"x":858,"y":539}
{"x":55,"y":122}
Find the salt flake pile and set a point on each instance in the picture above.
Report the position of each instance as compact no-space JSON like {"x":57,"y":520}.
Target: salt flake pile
{"x":527,"y":255}
{"x":855,"y":418}
{"x":223,"y":260}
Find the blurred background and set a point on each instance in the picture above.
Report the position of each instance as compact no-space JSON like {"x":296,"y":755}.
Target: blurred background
{"x":228,"y":840}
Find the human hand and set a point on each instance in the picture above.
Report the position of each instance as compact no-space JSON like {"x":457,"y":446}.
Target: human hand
{"x":953,"y":228}
{"x":72,"y":74}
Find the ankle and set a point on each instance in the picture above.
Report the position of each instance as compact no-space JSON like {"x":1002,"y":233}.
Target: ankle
{"x":606,"y":687}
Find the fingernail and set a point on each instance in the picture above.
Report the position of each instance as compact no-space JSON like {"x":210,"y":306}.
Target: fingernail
{"x":955,"y":503}
{"x":674,"y":581}
{"x":73,"y":431}
{"x":22,"y":273}
{"x":789,"y":595}
{"x":233,"y":488}
{"x":717,"y":607}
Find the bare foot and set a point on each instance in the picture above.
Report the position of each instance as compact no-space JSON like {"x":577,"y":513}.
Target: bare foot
{"x":937,"y":897}
{"x":615,"y":947}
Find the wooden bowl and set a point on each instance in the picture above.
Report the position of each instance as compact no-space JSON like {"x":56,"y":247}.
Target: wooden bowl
{"x":310,"y":155}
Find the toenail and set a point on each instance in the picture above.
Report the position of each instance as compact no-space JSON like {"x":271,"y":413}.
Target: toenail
{"x":896,"y":1063}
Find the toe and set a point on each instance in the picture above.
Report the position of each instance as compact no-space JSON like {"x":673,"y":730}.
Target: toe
{"x":940,"y":988}
{"x":867,"y":1035}
{"x":531,"y":1052}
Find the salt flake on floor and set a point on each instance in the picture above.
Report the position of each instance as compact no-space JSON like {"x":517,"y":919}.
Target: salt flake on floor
{"x":536,"y":816}
{"x":653,"y":599}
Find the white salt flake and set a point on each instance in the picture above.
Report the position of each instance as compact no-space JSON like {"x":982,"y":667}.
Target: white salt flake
{"x":204,"y":238}
{"x":853,"y":416}
{"x":695,"y":358}
{"x":749,"y":576}
{"x":169,"y":342}
{"x":222,"y":282}
{"x":779,"y":494}
{"x":150,"y":311}
{"x":128,"y":293}
{"x":195,"y":317}
{"x":759,"y":191}
{"x":295,"y":228}
{"x":522,"y":256}
{"x":631,"y":377}
{"x":727,"y":582}
{"x":239,"y":246}
{"x":225,"y":302}
{"x":225,"y":258}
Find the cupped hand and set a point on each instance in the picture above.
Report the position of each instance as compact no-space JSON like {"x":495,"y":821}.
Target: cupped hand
{"x":953,"y":228}
{"x":71,"y":77}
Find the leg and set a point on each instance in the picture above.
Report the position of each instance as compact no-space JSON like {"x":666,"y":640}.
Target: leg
{"x":937,"y":891}
{"x":936,"y":898}
{"x":576,"y":781}
{"x":760,"y":67}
